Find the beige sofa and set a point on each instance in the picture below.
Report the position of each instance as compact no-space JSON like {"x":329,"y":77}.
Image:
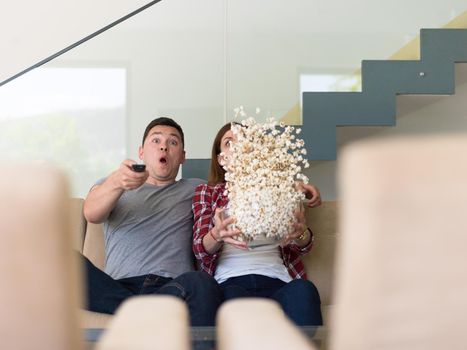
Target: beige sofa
{"x":319,"y":263}
{"x":89,"y":240}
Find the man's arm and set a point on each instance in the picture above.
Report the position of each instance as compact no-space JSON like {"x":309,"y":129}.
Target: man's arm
{"x":101,"y":199}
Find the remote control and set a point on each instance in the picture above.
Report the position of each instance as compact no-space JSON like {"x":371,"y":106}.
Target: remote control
{"x":138,"y":167}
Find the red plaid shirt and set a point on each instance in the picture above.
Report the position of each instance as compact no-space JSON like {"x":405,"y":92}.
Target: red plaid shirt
{"x":205,"y":201}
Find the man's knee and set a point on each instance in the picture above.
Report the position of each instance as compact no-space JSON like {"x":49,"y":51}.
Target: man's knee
{"x":197,"y":285}
{"x":198,"y":279}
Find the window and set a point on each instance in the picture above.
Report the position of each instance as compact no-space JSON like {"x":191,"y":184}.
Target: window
{"x":73,"y":117}
{"x":329,"y":81}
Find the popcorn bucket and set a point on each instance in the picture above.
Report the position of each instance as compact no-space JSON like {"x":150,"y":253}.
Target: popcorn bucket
{"x":263,"y":243}
{"x":258,"y":242}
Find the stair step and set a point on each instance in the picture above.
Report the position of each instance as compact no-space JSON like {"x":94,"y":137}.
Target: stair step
{"x":382,"y":80}
{"x":408,"y":77}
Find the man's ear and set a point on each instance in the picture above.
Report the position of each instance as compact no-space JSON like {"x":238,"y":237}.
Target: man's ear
{"x":140,"y":152}
{"x":183,"y":157}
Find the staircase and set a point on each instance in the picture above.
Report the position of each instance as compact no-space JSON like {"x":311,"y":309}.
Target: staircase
{"x":375,"y":105}
{"x":382,"y":80}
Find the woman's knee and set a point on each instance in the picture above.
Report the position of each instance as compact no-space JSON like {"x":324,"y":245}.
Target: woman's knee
{"x":302,"y":288}
{"x":301,"y":302}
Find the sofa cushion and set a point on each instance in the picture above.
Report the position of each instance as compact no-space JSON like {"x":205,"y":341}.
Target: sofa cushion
{"x":93,"y":247}
{"x":78,"y":223}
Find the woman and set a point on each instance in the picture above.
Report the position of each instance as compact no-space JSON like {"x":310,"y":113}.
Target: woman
{"x":276,"y":272}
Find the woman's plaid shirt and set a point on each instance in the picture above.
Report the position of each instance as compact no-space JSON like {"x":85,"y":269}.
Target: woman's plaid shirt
{"x":205,"y":201}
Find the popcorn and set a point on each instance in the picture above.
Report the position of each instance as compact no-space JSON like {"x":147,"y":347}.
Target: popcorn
{"x":263,"y":165}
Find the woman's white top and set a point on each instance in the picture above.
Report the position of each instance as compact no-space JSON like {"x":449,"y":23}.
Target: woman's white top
{"x":234,"y":262}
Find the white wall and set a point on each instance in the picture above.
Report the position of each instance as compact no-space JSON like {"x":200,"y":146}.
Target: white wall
{"x":30,"y":30}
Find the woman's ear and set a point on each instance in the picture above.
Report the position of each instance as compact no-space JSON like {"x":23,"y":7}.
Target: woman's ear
{"x":221,"y":159}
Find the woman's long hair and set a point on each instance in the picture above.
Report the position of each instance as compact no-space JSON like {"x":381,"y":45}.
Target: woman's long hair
{"x":216,"y":171}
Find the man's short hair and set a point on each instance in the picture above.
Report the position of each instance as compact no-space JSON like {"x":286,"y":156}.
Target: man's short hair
{"x":167,"y":122}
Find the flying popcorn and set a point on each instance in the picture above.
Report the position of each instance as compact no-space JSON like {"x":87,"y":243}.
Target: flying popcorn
{"x":265,"y":162}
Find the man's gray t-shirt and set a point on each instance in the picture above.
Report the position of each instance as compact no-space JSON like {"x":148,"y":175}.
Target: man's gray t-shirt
{"x":150,"y":231}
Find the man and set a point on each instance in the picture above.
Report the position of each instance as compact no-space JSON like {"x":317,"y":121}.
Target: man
{"x":148,"y":226}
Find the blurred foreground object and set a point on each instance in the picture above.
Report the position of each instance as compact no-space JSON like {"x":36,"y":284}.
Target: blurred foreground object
{"x":402,"y":263}
{"x":254,"y":323}
{"x":40,"y":294}
{"x":149,"y":322}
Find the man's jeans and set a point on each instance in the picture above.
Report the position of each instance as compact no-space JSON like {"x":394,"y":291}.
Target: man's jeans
{"x":199,"y":290}
{"x":299,"y":298}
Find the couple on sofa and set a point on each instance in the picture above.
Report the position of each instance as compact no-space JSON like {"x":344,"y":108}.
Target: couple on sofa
{"x":150,"y":236}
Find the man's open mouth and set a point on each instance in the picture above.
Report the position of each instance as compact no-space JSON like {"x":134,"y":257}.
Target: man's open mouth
{"x":163,"y":160}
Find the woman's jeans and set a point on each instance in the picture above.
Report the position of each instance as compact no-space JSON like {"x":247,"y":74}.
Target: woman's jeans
{"x":199,"y":290}
{"x":299,"y":298}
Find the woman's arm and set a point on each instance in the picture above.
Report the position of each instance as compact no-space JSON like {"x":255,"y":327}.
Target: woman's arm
{"x":202,"y":212}
{"x":300,"y":238}
{"x":311,"y":193}
{"x":220,"y":233}
{"x":210,"y":230}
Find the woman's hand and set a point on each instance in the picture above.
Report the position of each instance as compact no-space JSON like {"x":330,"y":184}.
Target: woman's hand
{"x":221,"y":231}
{"x":311,"y":193}
{"x":298,"y":228}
